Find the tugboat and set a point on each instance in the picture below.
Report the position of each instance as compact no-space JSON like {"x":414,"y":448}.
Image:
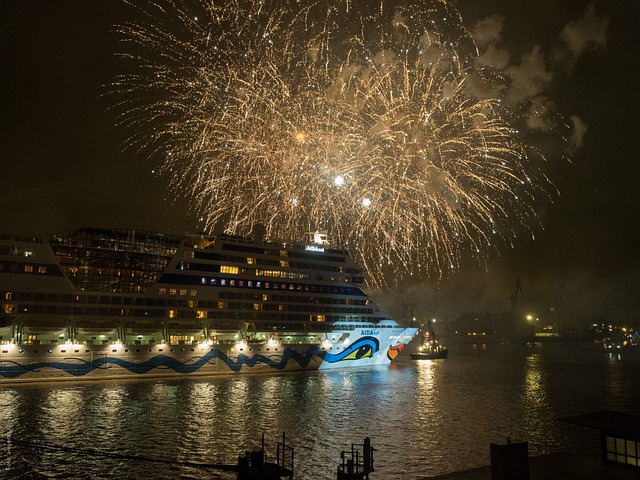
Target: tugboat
{"x":430,"y":348}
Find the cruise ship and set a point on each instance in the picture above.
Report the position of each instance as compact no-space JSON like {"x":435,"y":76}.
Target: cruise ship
{"x":104,"y":303}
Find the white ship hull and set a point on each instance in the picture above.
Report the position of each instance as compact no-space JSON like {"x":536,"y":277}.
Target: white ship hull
{"x":358,"y":348}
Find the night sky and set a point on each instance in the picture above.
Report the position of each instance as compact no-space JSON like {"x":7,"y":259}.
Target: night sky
{"x":63,"y":166}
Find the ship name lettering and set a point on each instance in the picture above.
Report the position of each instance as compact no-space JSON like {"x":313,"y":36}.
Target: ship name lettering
{"x":369,"y":332}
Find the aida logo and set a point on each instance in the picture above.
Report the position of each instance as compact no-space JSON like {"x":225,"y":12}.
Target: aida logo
{"x":313,"y":248}
{"x":369,"y":332}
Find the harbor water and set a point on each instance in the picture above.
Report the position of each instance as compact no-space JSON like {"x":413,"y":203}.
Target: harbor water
{"x":423,"y":417}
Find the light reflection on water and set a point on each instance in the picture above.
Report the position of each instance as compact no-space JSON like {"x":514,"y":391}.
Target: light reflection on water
{"x":424,"y":417}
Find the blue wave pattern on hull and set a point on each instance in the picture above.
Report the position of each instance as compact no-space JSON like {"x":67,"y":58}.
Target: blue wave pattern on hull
{"x":15,"y":370}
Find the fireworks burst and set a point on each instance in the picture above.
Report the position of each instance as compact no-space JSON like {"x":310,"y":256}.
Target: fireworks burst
{"x":375,"y":123}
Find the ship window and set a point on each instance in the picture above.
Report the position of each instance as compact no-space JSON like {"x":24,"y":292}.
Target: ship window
{"x":183,"y":292}
{"x":63,"y":351}
{"x":28,"y":268}
{"x":126,"y":350}
{"x":193,"y":293}
{"x":162,"y":291}
{"x":42,"y":269}
{"x":172,"y":291}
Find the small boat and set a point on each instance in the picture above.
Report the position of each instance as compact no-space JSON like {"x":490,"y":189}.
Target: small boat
{"x":430,"y":348}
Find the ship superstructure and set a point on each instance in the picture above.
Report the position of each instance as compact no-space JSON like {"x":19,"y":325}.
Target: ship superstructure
{"x":113,"y":302}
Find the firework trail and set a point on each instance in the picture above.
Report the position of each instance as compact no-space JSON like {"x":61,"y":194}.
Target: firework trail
{"x":372,"y":122}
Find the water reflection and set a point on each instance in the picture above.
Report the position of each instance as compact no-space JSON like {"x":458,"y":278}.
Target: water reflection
{"x":426,"y":386}
{"x":617,"y":383}
{"x":535,"y":405}
{"x":534,"y":394}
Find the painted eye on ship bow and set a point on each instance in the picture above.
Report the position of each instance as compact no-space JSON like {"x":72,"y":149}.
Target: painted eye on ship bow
{"x":362,"y":352}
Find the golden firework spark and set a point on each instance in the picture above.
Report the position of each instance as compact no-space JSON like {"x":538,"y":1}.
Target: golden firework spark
{"x":366,"y":121}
